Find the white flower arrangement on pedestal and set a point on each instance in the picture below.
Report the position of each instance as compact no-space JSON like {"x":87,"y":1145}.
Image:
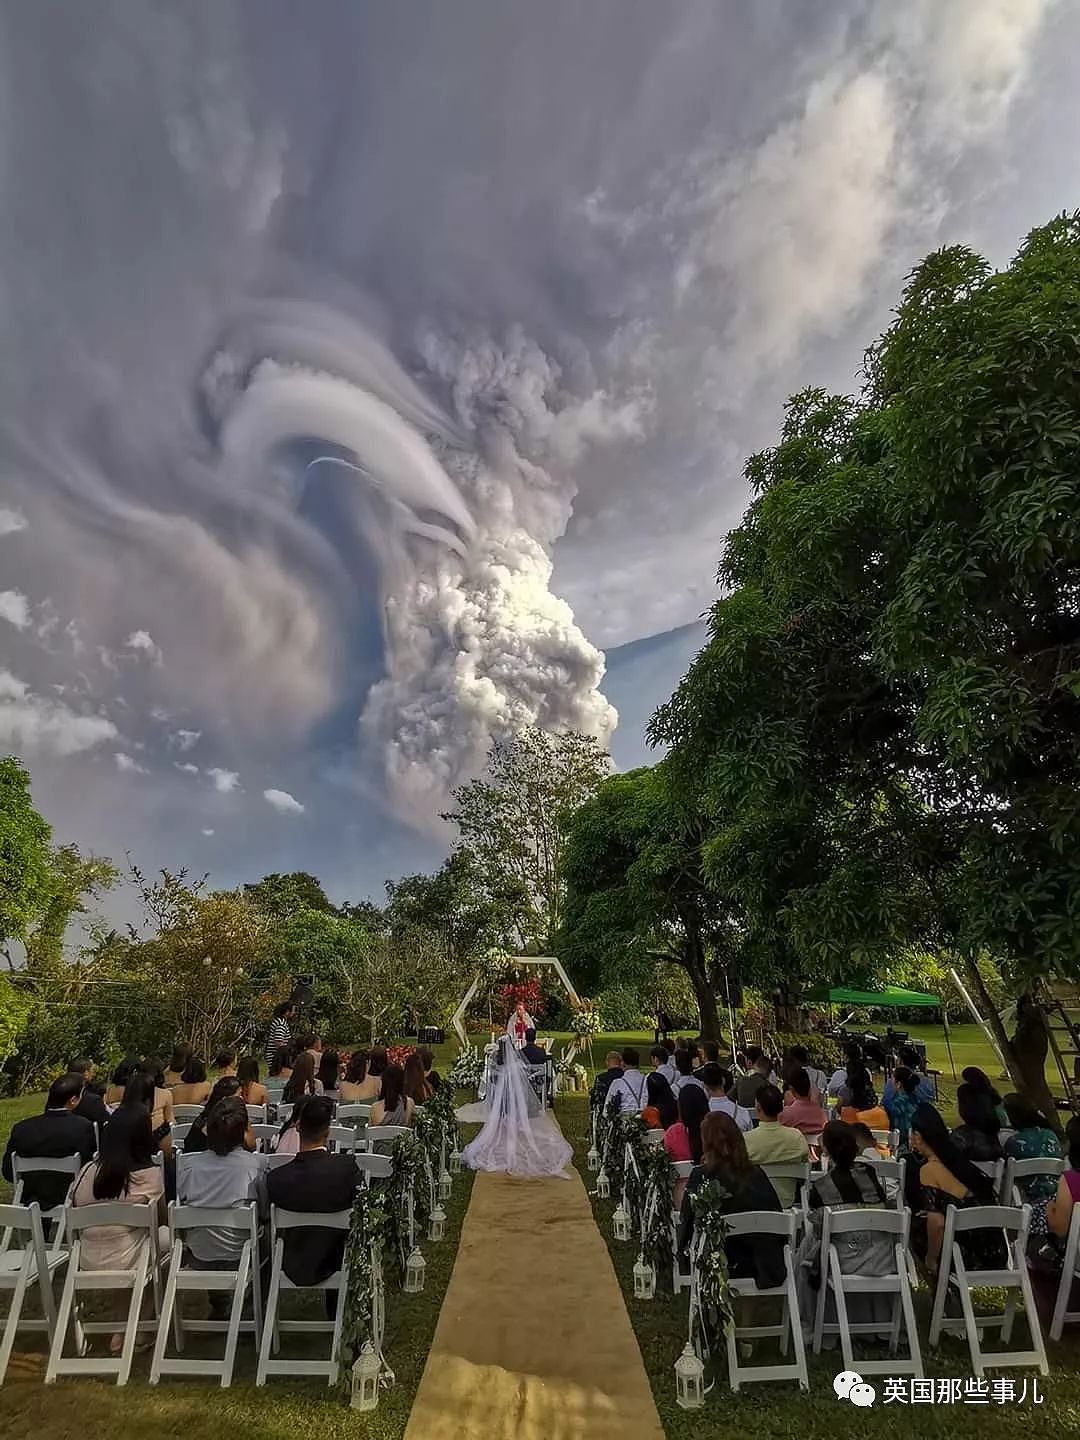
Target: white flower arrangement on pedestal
{"x":586,"y":1022}
{"x":468,"y":1069}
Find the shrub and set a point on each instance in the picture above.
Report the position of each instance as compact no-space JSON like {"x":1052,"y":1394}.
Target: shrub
{"x":620,"y":1008}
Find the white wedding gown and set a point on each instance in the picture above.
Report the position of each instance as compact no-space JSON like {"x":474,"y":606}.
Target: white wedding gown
{"x":518,"y":1137}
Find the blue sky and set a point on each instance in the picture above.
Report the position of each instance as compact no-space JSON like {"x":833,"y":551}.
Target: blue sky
{"x":373,"y":376}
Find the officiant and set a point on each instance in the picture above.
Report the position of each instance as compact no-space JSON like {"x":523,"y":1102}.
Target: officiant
{"x":520,"y":1021}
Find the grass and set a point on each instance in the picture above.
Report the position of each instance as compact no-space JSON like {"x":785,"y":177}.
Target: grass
{"x":780,"y":1412}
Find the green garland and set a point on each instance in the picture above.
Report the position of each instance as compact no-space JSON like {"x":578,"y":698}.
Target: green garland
{"x":632,"y":1133}
{"x":407,"y":1193}
{"x":714,"y":1292}
{"x":363,"y":1278}
{"x":659,"y":1176}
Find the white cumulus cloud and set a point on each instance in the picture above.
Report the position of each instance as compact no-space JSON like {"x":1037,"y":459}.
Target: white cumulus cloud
{"x":11,"y":521}
{"x":35,"y":724}
{"x":282,"y":800}
{"x":223,"y":781}
{"x":142,"y":640}
{"x":15,"y":608}
{"x":185,"y":739}
{"x":207,"y":831}
{"x":128,"y":765}
{"x":187,"y":768}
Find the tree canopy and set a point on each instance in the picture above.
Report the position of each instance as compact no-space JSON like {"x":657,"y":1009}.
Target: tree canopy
{"x":24,"y":852}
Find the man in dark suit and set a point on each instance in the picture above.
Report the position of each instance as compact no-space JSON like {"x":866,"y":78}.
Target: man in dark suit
{"x":318,"y":1183}
{"x":57,"y":1133}
{"x":91,"y":1107}
{"x":532,"y":1052}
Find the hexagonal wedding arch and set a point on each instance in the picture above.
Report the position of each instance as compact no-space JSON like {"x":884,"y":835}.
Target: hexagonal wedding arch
{"x":545,"y":962}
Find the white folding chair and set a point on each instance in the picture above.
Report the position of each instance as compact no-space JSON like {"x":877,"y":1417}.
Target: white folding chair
{"x":680,"y":1279}
{"x":264,"y":1135}
{"x":257,"y":1114}
{"x":955,"y":1278}
{"x":275,"y":1162}
{"x":180,"y":1134}
{"x":343,"y":1138}
{"x":273,"y":1328}
{"x":23,"y":1265}
{"x":182,"y":1220}
{"x":374,"y":1167}
{"x":1062,"y":1314}
{"x":897,"y":1283}
{"x":282,"y":1112}
{"x":187,"y":1112}
{"x":654,"y":1137}
{"x":993,"y":1170}
{"x":894,"y":1172}
{"x":79,"y":1281}
{"x":797,"y":1170}
{"x":889,"y":1138}
{"x":351,"y":1114}
{"x":768,"y":1222}
{"x":1016,"y":1171}
{"x":23,"y":1166}
{"x":387,"y":1134}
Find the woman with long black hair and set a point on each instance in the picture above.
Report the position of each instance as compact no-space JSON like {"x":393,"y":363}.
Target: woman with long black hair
{"x":947,"y":1177}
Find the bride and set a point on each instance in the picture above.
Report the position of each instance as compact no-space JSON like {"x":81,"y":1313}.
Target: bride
{"x":518,"y":1137}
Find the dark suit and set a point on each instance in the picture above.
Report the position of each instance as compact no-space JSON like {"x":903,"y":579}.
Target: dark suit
{"x":319,"y":1184}
{"x":51,"y":1136}
{"x":535,"y":1055}
{"x":92,"y":1107}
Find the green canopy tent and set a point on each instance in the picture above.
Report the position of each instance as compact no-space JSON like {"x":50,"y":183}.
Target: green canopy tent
{"x":891,"y":997}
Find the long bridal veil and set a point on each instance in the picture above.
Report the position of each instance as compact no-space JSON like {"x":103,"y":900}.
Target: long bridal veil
{"x":518,"y":1137}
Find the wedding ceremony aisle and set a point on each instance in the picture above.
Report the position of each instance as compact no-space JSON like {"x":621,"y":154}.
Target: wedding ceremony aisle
{"x":533,"y":1340}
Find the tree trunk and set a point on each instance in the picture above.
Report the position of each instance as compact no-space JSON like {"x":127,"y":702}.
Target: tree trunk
{"x":989,"y":1013}
{"x":1030,"y":1044}
{"x":704,"y":993}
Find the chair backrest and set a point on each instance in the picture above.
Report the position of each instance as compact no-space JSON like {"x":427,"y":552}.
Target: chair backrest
{"x":180,"y":1132}
{"x":309,"y":1220}
{"x":23,"y":1165}
{"x":275,"y":1162}
{"x":375,"y":1133}
{"x":26,"y":1220}
{"x":654,"y":1137}
{"x":265,"y":1133}
{"x":1040,"y":1165}
{"x":187,"y":1112}
{"x":763,"y":1222}
{"x":203,"y":1217}
{"x":257,"y":1114}
{"x":139,"y":1216}
{"x":889,"y":1138}
{"x":992,"y":1169}
{"x":375,"y":1167}
{"x":788,"y":1170}
{"x":348,"y":1113}
{"x":1011,"y":1218}
{"x":342,"y":1137}
{"x":683,"y":1169}
{"x":866,"y":1217}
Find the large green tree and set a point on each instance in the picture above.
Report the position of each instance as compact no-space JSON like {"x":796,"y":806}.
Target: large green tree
{"x":888,"y":706}
{"x":459,"y":904}
{"x":73,"y":881}
{"x":24,"y":853}
{"x":278,"y":896}
{"x":513,"y":822}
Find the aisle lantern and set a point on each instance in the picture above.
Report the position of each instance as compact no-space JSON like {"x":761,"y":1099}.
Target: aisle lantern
{"x":437,"y":1223}
{"x":644,"y":1279}
{"x":603,"y":1185}
{"x":593,"y":1159}
{"x":415,"y":1268}
{"x":365,"y":1379}
{"x":620,"y":1222}
{"x":689,"y":1380}
{"x":445,"y":1185}
{"x":455,"y":1162}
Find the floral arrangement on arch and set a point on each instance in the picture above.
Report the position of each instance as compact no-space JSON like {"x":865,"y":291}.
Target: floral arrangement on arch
{"x":521,"y":992}
{"x":398,"y":1054}
{"x":586,"y":1021}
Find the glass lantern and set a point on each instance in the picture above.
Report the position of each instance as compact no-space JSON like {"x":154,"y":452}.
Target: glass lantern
{"x":437,"y":1223}
{"x":445,"y":1185}
{"x":644,"y":1279}
{"x":415,"y":1268}
{"x":620,"y":1222}
{"x":603,"y":1185}
{"x":689,"y":1380}
{"x":455,"y":1162}
{"x":365,"y":1379}
{"x":593,"y":1159}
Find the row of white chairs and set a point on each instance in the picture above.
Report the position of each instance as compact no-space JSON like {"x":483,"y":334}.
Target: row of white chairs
{"x":28,"y":1265}
{"x":260,"y":1114}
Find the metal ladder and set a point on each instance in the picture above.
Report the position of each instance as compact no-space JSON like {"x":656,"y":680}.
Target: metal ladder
{"x":1061,"y":1009}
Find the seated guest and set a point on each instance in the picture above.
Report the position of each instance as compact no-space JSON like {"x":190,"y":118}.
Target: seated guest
{"x":903,"y":1101}
{"x":330,"y":1073}
{"x":1033,"y":1140}
{"x":972,"y":1075}
{"x":684,"y":1066}
{"x":393,"y":1106}
{"x":141,"y":1091}
{"x":194,"y":1088}
{"x":416,"y":1087}
{"x":358,"y":1086}
{"x":224,"y":1063}
{"x":682,"y":1141}
{"x":427,"y":1059}
{"x":758,"y":1075}
{"x":316,"y":1183}
{"x":627,"y":1093}
{"x":977,"y":1134}
{"x":54,"y":1135}
{"x":114,"y":1092}
{"x":801,"y":1111}
{"x":288,"y":1137}
{"x":220,"y":1177}
{"x":908,"y":1059}
{"x":302,"y":1081}
{"x":124,"y":1174}
{"x":837,"y":1086}
{"x":161,"y":1112}
{"x":178,"y":1064}
{"x":1059,"y":1210}
{"x":947,"y":1177}
{"x":662,"y":1109}
{"x":227,"y":1088}
{"x":849,"y":1183}
{"x":662,"y":1063}
{"x":251,"y":1091}
{"x":719,"y":1086}
{"x":534,"y":1053}
{"x":91,"y":1107}
{"x":862,"y":1107}
{"x":280,"y":1067}
{"x":739,"y":1186}
{"x":605,"y":1079}
{"x":774,"y":1144}
{"x":709,"y":1052}
{"x":308,"y":1045}
{"x":869,"y":1152}
{"x":819,"y":1081}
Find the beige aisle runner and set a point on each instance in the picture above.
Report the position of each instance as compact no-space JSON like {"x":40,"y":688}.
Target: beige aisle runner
{"x":533,"y":1340}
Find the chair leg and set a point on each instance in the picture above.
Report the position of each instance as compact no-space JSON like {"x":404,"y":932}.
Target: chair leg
{"x":167,"y":1316}
{"x":941,"y":1295}
{"x":269,"y":1333}
{"x":1009,"y":1317}
{"x":819,"y":1309}
{"x":131,"y":1334}
{"x":970,"y":1323}
{"x":841,"y":1309}
{"x":908,"y":1304}
{"x":894,"y":1334}
{"x":11,"y":1324}
{"x":233,"y":1334}
{"x":339,"y":1322}
{"x":63,"y":1316}
{"x":1061,"y":1304}
{"x":1034,"y":1323}
{"x":795,"y":1321}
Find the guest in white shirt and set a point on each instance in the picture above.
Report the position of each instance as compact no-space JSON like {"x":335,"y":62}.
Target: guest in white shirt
{"x":628,"y":1093}
{"x":837,"y":1087}
{"x":819,"y":1081}
{"x":662,"y":1064}
{"x":718,"y":1083}
{"x":684,"y":1064}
